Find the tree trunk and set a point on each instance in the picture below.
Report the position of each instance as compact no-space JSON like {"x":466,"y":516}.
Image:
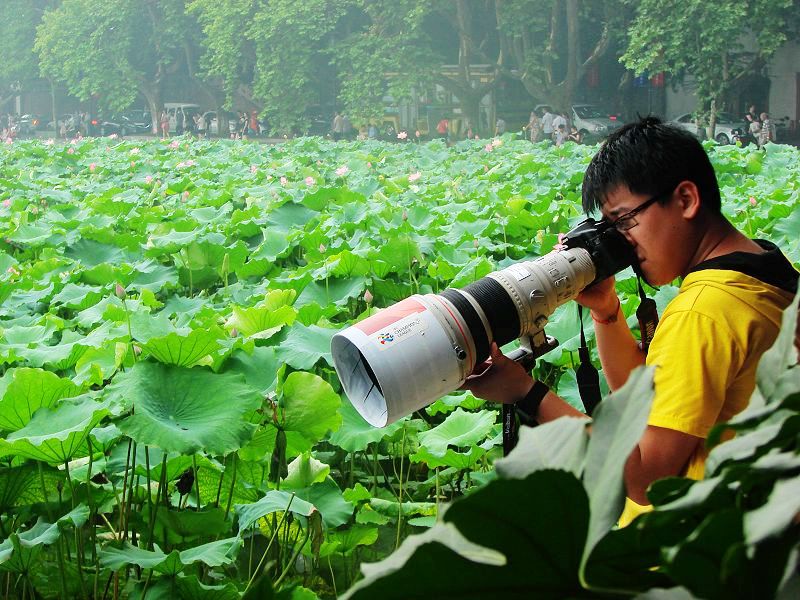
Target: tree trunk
{"x":152,"y":94}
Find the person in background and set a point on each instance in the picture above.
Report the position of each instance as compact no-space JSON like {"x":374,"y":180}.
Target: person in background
{"x":575,"y":135}
{"x":766,"y":134}
{"x":500,"y":126}
{"x":560,"y":135}
{"x":558,"y":120}
{"x":337,"y":126}
{"x":754,"y":129}
{"x":164,"y":123}
{"x":443,"y":128}
{"x":534,"y":127}
{"x":547,"y":124}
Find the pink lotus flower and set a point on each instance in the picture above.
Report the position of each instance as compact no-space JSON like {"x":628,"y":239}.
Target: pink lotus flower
{"x":134,"y":151}
{"x":185,"y":195}
{"x":414,"y":176}
{"x":342,"y":171}
{"x":405,"y":215}
{"x":49,"y":142}
{"x":120,"y":292}
{"x":253,"y":169}
{"x":9,"y":140}
{"x":368,"y":297}
{"x":174,"y":144}
{"x":6,"y":203}
{"x":148,"y":180}
{"x":752,"y":201}
{"x":497,"y":142}
{"x":133,"y":164}
{"x":402,"y":135}
{"x":309,"y":181}
{"x":70,"y":150}
{"x":75,"y":140}
{"x":113,"y":136}
{"x":488,"y":147}
{"x":369,"y":165}
{"x":322,"y":248}
{"x":284,"y":181}
{"x":92,"y":167}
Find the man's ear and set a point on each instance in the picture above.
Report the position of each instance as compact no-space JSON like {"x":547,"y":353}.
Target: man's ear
{"x":689,"y":198}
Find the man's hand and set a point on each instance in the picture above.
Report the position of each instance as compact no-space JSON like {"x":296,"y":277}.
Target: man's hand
{"x":601,"y":298}
{"x":499,"y":379}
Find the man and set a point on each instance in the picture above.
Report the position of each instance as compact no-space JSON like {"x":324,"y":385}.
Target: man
{"x":547,"y":123}
{"x":655,"y":183}
{"x":337,"y":127}
{"x":500,"y":126}
{"x":558,"y":120}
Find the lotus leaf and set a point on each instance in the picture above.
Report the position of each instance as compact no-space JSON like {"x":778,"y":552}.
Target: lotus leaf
{"x":459,"y":429}
{"x":187,"y":410}
{"x":24,"y":391}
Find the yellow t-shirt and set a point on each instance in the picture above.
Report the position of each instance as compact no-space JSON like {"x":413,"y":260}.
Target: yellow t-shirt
{"x":706,"y":349}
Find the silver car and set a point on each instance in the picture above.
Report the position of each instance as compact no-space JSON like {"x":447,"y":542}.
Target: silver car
{"x":593,"y":120}
{"x":723,"y":131}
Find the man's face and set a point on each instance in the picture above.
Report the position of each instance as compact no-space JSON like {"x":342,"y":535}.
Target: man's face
{"x":659,"y":233}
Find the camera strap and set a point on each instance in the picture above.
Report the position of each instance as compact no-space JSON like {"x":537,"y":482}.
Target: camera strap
{"x":586,"y":373}
{"x":647,"y":314}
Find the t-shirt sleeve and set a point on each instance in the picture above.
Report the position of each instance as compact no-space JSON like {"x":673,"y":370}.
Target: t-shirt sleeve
{"x":696,"y":357}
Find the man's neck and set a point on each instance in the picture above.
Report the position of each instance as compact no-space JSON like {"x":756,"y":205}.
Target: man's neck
{"x":721,"y":238}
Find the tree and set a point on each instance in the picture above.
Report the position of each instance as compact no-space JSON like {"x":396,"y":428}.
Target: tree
{"x":549,"y":45}
{"x":114,"y":50}
{"x":717,"y":44}
{"x":18,"y":21}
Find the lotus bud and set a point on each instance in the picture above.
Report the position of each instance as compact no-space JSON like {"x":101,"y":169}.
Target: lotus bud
{"x":226,"y":263}
{"x":234,"y":332}
{"x":368,"y":297}
{"x":137,"y":350}
{"x":405,"y":215}
{"x":322,"y":248}
{"x":752,"y":201}
{"x":120,"y":292}
{"x":474,"y":243}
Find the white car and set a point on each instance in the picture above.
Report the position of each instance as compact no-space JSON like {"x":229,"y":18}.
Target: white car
{"x":210,"y":117}
{"x":723,"y":131}
{"x":590,"y":119}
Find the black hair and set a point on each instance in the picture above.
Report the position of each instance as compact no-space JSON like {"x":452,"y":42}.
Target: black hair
{"x":650,"y":157}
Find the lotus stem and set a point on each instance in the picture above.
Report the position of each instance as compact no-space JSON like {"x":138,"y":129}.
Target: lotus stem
{"x":293,"y":558}
{"x":221,"y":478}
{"x":162,"y":483}
{"x":196,"y":480}
{"x":269,"y":544}
{"x":400,"y":494}
{"x":124,"y":487}
{"x":230,"y":494}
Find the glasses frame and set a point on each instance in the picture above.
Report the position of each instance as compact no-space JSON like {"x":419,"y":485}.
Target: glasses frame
{"x":628,"y":220}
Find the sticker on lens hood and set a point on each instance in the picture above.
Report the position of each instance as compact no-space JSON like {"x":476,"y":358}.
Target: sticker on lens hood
{"x":395,"y":333}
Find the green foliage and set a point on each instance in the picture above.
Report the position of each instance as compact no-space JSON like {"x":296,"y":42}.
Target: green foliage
{"x":706,"y":41}
{"x":165,"y":351}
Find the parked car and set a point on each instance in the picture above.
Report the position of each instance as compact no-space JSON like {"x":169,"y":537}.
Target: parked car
{"x":723,"y":132}
{"x":132,"y":122}
{"x":592,"y":120}
{"x":185,"y":109}
{"x":29,"y":124}
{"x":210,"y":117}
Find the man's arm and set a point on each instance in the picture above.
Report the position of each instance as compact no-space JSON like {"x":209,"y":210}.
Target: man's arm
{"x":619,"y":352}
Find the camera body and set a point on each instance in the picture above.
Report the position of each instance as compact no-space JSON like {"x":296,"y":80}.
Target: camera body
{"x":410,"y":354}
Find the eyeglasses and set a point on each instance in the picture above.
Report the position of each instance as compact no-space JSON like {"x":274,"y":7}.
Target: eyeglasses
{"x":628,"y":220}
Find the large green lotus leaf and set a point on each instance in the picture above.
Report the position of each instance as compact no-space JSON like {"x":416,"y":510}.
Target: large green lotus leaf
{"x":304,"y":346}
{"x":188,"y":350}
{"x":274,"y":245}
{"x":213,"y":554}
{"x":273,"y":501}
{"x":460,"y":429}
{"x":447,"y":404}
{"x":310,"y":406}
{"x":154,"y":276}
{"x":443,"y":549}
{"x":24,"y":391}
{"x":16,"y":339}
{"x":290,"y":216}
{"x":260,"y":322}
{"x":187,"y":410}
{"x":304,"y":471}
{"x":398,"y":252}
{"x":18,"y":552}
{"x":355,"y":433}
{"x":260,"y":369}
{"x":181,"y":526}
{"x":78,"y":297}
{"x":21,"y":486}
{"x":776,"y":514}
{"x":190,"y":588}
{"x":619,"y":423}
{"x":170,"y":243}
{"x":98,"y":365}
{"x":263,"y":444}
{"x":347,"y":540}
{"x":451,"y":458}
{"x":328,"y":500}
{"x":334,"y":291}
{"x":56,"y":435}
{"x":73,"y":344}
{"x":560,"y":444}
